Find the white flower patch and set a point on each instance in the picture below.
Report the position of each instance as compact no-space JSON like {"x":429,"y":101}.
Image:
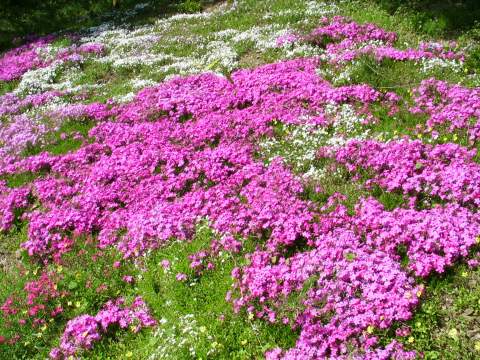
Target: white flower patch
{"x":171,"y":340}
{"x":347,"y":125}
{"x":302,"y":50}
{"x":152,"y":45}
{"x":184,"y":66}
{"x":39,"y":80}
{"x":124,"y":98}
{"x":225,"y":34}
{"x":264,"y":38}
{"x":141,"y":83}
{"x":298,"y":147}
{"x":48,"y":52}
{"x":187,"y":17}
{"x":346,"y":119}
{"x":54,"y":104}
{"x":429,"y":65}
{"x":221,"y":53}
{"x":316,"y":9}
{"x":299,"y":144}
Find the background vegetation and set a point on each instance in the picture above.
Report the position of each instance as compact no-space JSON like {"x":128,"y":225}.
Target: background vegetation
{"x":19,"y":18}
{"x":451,"y":17}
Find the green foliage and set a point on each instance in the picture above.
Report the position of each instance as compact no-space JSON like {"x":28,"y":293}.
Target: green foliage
{"x":17,"y":180}
{"x":7,"y":86}
{"x":193,"y":313}
{"x":86,"y":274}
{"x":446,"y":323}
{"x":63,"y":140}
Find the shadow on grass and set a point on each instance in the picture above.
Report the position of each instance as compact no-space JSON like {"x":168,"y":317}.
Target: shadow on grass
{"x":446,"y":18}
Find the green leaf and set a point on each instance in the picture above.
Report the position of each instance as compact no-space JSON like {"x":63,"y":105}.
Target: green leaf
{"x":72,"y":285}
{"x":350,"y":256}
{"x":213,"y":64}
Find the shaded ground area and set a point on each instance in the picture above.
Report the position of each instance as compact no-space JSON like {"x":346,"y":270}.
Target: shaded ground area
{"x":36,"y":18}
{"x":449,"y":17}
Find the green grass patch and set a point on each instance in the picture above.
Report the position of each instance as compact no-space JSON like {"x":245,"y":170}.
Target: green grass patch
{"x":195,"y":319}
{"x":445,"y":326}
{"x":7,"y":86}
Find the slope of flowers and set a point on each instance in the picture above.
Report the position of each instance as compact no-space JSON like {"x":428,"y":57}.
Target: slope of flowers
{"x":196,"y":161}
{"x":197,"y":148}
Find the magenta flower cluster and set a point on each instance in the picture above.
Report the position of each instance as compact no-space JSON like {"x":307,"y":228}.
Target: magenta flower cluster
{"x":353,"y":277}
{"x":11,"y":200}
{"x":345,"y":40}
{"x":445,"y":172}
{"x":16,"y":62}
{"x":183,"y":151}
{"x":82,"y":332}
{"x":453,"y":107}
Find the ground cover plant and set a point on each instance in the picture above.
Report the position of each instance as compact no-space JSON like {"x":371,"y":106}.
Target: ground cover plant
{"x":278,"y":179}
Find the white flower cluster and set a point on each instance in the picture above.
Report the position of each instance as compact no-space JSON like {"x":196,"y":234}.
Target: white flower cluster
{"x":139,"y":83}
{"x":176,"y":45}
{"x":346,"y":121}
{"x":298,"y":147}
{"x":298,"y":144}
{"x":39,"y":80}
{"x":317,"y":9}
{"x":222,"y":54}
{"x":48,"y":52}
{"x":170,"y":340}
{"x":121,"y":99}
{"x":156,"y":45}
{"x":430,"y":65}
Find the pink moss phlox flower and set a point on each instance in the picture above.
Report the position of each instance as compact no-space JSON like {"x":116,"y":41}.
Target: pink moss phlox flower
{"x":446,"y":171}
{"x":14,"y":63}
{"x":345,"y":40}
{"x":181,"y":277}
{"x":449,"y":105}
{"x":83,"y":331}
{"x":187,"y":150}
